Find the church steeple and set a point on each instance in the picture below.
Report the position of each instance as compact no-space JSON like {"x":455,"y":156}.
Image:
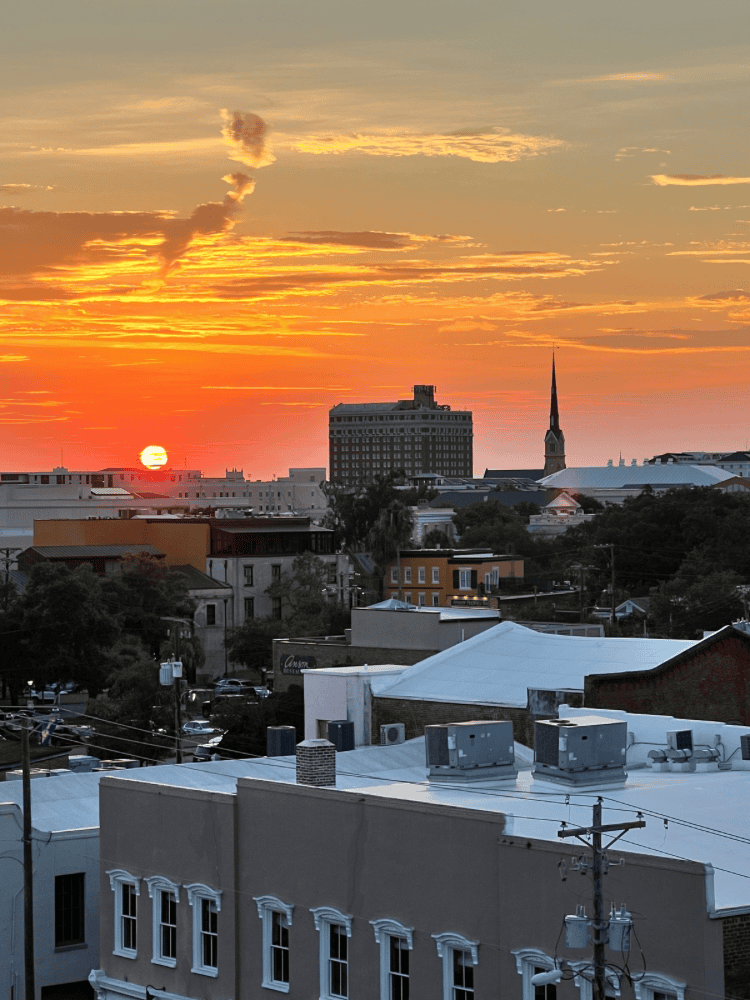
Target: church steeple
{"x":554,"y":439}
{"x":554,"y":414}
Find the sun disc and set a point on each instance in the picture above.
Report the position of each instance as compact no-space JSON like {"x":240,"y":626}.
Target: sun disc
{"x":153,"y":457}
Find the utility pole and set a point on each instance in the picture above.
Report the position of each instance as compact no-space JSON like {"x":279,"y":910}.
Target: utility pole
{"x":611,"y":547}
{"x":28,"y":875}
{"x":8,"y":557}
{"x":174,"y":630}
{"x":599,"y":862}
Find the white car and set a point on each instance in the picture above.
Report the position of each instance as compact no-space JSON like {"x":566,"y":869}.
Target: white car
{"x":201,"y":728}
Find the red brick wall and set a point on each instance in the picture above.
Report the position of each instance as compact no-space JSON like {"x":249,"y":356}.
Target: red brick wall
{"x":712,"y":684}
{"x":417,"y":714}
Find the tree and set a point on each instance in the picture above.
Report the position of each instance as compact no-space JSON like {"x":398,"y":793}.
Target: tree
{"x":352,"y":512}
{"x":390,"y":533}
{"x":436,"y":539}
{"x":66,"y":626}
{"x":246,"y":722}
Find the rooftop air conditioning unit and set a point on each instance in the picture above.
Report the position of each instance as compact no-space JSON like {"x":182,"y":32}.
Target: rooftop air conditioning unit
{"x":680,"y":739}
{"x":392,"y":734}
{"x":745,"y":746}
{"x":341,"y":734}
{"x":587,"y":750}
{"x":466,"y":751}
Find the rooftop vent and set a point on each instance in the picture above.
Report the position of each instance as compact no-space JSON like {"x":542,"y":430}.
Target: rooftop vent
{"x":470,"y":750}
{"x":316,"y":763}
{"x":587,"y":750}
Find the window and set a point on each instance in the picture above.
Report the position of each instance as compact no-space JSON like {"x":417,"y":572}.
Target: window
{"x":249,"y":607}
{"x":126,"y":888}
{"x":529,"y":962}
{"x":276,"y":607}
{"x":459,"y":956}
{"x":407,"y":596}
{"x":165,"y":895}
{"x":421,"y":599}
{"x":69,"y":909}
{"x":206,"y":904}
{"x":436,"y":600}
{"x":334,"y":929}
{"x":248,"y":575}
{"x":275,"y":573}
{"x":464,"y":579}
{"x":277,"y":919}
{"x":436,"y":574}
{"x":395,"y":941}
{"x":210,"y":614}
{"x":394,"y":574}
{"x":422,"y":574}
{"x":656,"y":986}
{"x":407,"y":574}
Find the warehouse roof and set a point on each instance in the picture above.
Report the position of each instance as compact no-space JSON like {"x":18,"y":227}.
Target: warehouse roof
{"x":623,"y":477}
{"x":498,"y":666}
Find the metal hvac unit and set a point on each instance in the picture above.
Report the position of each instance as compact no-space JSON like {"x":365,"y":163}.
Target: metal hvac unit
{"x":680,"y":739}
{"x":589,"y":749}
{"x":745,"y":746}
{"x":470,"y":750}
{"x":281,"y":741}
{"x":390,"y":735}
{"x":341,"y":734}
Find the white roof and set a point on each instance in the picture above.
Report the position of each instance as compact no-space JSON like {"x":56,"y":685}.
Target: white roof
{"x":59,"y":802}
{"x":695,"y":804}
{"x":619,"y":477}
{"x":498,"y":666}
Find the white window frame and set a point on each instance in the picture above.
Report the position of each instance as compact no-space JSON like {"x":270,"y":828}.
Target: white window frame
{"x":436,"y":574}
{"x":196,"y":893}
{"x":394,"y":574}
{"x":527,"y":960}
{"x":158,"y":884}
{"x":267,"y":906}
{"x":422,"y":599}
{"x":118,"y":878}
{"x":385,"y":929}
{"x":421,"y":574}
{"x":436,"y":600}
{"x":464,"y":579}
{"x":324,"y":916}
{"x":407,"y":574}
{"x":585,"y":984}
{"x":656,"y":982}
{"x":446,"y":944}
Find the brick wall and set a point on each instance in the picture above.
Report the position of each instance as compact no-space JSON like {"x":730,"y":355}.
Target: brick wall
{"x":710,"y":684}
{"x":417,"y":714}
{"x":736,"y":934}
{"x":337,"y":655}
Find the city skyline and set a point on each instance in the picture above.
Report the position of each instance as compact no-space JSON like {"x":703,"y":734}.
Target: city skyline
{"x":219,"y":223}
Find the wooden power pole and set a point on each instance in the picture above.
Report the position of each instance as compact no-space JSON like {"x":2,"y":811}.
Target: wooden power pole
{"x":28,"y":874}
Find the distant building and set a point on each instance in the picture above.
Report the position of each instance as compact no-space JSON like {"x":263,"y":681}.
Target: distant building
{"x":556,"y":517}
{"x":450,"y":577}
{"x":367,"y":440}
{"x":614,"y":483}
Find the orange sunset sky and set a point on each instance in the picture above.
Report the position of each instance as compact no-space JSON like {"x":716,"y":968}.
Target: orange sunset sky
{"x":220,"y":218}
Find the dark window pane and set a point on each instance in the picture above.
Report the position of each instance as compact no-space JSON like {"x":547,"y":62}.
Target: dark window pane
{"x":69,"y":909}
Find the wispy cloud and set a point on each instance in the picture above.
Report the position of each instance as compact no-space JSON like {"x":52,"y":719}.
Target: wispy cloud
{"x":494,"y":145}
{"x":24,"y":188}
{"x":696,"y":180}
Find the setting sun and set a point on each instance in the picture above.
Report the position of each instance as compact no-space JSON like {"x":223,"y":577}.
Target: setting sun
{"x":153,"y":457}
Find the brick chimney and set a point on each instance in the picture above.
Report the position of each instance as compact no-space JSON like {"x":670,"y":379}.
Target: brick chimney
{"x":316,"y":763}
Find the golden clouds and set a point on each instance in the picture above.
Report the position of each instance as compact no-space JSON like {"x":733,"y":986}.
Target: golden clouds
{"x":695,"y":180}
{"x":493,"y":146}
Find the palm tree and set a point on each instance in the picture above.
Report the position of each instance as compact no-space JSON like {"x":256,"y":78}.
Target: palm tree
{"x":391,"y":531}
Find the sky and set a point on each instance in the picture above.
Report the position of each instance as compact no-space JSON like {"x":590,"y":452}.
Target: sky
{"x":219,"y":219}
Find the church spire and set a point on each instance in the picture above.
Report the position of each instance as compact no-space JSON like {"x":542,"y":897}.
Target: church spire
{"x":554,"y":415}
{"x":554,"y":439}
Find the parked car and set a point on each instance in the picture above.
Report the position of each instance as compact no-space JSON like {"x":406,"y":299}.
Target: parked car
{"x":201,"y":727}
{"x":225,"y":684}
{"x":205,"y":751}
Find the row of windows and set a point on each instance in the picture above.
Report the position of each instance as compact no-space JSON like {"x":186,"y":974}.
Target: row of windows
{"x":421,"y":598}
{"x":421,"y":574}
{"x":442,"y":417}
{"x":165,"y":895}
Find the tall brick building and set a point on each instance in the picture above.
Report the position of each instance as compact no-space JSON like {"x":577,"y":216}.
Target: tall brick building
{"x":367,"y":440}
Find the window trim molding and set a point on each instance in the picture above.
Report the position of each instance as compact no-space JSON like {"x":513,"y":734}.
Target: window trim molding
{"x":117,"y":878}
{"x":324,"y":916}
{"x":196,"y":892}
{"x":266,"y":907}
{"x":526,"y":960}
{"x":384,"y":930}
{"x":156,"y":885}
{"x":657,"y":981}
{"x":447,"y":943}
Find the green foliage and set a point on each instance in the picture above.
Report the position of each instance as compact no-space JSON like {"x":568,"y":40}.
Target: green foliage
{"x":390,"y":533}
{"x":66,"y":625}
{"x":246,"y":722}
{"x":352,"y":512}
{"x":490,"y":524}
{"x":436,"y":539}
